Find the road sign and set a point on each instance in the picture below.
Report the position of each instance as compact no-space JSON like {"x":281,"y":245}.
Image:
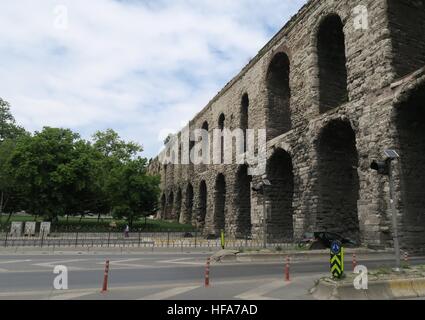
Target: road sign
{"x":337,"y":259}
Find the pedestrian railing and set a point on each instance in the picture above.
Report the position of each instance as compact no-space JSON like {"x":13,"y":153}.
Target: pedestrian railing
{"x":134,"y":240}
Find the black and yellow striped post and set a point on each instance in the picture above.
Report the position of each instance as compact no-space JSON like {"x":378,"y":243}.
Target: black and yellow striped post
{"x":223,"y":243}
{"x":337,"y":260}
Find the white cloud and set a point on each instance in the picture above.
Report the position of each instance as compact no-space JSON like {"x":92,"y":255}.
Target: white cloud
{"x":137,"y":66}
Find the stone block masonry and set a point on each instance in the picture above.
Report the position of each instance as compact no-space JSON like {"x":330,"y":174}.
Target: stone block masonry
{"x":332,"y":93}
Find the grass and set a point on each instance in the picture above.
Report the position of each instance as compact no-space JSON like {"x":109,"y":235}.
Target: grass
{"x":92,"y":224}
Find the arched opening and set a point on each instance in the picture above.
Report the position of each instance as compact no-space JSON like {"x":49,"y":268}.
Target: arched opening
{"x":407,"y":27}
{"x":205,"y":126}
{"x":220,"y":203}
{"x":410,"y":121}
{"x":280,"y":196}
{"x":170,"y":206}
{"x":188,"y":204}
{"x":243,"y":202}
{"x":332,"y":63}
{"x":245,"y":117}
{"x":279,"y":96}
{"x":338,"y":180}
{"x":203,"y":196}
{"x":221,"y":121}
{"x":178,"y":203}
{"x":206,"y":146}
{"x":163,"y":207}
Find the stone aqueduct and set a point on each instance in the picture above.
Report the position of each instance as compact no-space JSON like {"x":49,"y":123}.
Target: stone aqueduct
{"x":332,"y":97}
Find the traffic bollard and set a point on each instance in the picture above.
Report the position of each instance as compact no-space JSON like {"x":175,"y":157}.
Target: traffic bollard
{"x":354,"y":261}
{"x":105,"y":278}
{"x":207,"y":273}
{"x":287,"y":276}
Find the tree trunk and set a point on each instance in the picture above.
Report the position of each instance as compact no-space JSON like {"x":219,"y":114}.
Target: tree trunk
{"x":8,"y":218}
{"x":1,"y":203}
{"x":131,"y":221}
{"x":81,"y":218}
{"x":98,"y":217}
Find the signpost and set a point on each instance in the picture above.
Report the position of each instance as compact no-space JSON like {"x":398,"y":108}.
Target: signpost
{"x":337,"y":260}
{"x":16,"y":229}
{"x":29,"y":228}
{"x":45,"y":229}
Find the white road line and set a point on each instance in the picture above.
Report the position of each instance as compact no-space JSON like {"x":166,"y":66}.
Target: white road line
{"x":69,"y":296}
{"x":14,"y":261}
{"x":182,"y":261}
{"x":52,"y":264}
{"x":3,"y":270}
{"x":121,"y":263}
{"x":169,"y":293}
{"x":260,"y":292}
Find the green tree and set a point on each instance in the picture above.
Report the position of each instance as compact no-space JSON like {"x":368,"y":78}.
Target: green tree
{"x":55,"y":169}
{"x":9,"y":133}
{"x":133,"y":192}
{"x":115,"y":152}
{"x":8,"y":127}
{"x":110,"y":144}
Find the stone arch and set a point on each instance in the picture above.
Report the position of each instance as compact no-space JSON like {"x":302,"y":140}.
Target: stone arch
{"x":243,"y":202}
{"x":410,"y":125}
{"x":220,"y":203}
{"x":203,"y":203}
{"x":407,"y":28}
{"x":332,"y":63}
{"x":244,"y":119}
{"x":280,"y":196}
{"x":221,"y":125}
{"x":178,"y":203}
{"x":163,"y":206}
{"x":278,"y":112}
{"x":170,"y":205}
{"x":188,"y":212}
{"x":205,"y":126}
{"x":338,"y":180}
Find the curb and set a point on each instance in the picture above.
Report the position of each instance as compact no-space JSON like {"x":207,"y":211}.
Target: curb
{"x":378,"y":290}
{"x":300,"y":255}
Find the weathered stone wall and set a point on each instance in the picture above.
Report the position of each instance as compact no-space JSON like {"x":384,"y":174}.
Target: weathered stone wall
{"x":327,"y":93}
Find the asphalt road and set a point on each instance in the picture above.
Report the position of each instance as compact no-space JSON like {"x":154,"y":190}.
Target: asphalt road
{"x":159,"y":276}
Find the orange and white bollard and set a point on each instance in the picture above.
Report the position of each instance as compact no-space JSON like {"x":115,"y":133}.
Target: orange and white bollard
{"x":354,"y":261}
{"x":105,"y":278}
{"x":287,"y":266}
{"x":207,"y":273}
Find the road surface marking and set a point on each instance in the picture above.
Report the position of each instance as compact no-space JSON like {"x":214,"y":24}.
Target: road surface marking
{"x":121,"y":263}
{"x":14,"y":261}
{"x":52,"y":264}
{"x":3,"y":270}
{"x":260,"y":292}
{"x":69,"y":296}
{"x":182,"y":261}
{"x":169,"y":293}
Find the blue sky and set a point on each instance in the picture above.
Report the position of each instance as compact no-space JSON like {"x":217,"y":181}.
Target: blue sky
{"x":141,"y":67}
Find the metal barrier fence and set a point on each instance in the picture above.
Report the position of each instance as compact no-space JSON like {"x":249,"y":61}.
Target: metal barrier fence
{"x":134,"y":240}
